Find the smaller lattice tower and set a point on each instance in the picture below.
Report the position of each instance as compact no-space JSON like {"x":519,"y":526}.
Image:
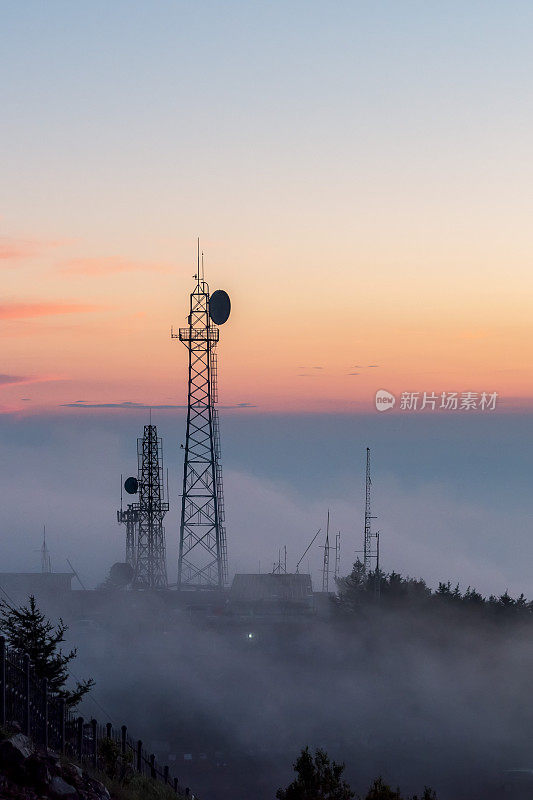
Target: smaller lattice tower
{"x":129,"y":517}
{"x":145,"y":534}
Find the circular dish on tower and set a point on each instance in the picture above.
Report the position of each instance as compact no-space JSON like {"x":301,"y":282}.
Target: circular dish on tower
{"x":219,"y":306}
{"x":131,"y":485}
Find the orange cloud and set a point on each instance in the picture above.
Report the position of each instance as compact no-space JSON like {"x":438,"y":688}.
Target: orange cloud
{"x":26,"y":310}
{"x":109,"y":264}
{"x":10,"y":380}
{"x":6,"y":380}
{"x":18,"y":249}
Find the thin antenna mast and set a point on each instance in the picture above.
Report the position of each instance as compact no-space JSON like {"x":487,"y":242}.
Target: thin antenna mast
{"x":325,"y":567}
{"x":46,"y":564}
{"x":198,"y":266}
{"x":367,"y":544}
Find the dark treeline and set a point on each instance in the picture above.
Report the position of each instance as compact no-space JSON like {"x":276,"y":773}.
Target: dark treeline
{"x":394,"y":591}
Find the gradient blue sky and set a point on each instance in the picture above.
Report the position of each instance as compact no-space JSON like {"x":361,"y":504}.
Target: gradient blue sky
{"x":363,"y":165}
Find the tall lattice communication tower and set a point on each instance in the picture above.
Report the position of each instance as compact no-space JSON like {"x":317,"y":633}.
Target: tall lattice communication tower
{"x":146,"y":552}
{"x":202,"y":561}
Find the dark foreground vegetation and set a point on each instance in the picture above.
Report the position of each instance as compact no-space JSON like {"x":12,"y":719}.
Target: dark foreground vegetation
{"x":318,"y":778}
{"x":39,"y":756}
{"x":420,"y":687}
{"x":29,"y":773}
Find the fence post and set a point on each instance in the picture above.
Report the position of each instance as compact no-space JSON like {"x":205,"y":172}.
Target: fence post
{"x":27,"y":707}
{"x":165,"y":774}
{"x":176,"y":785}
{"x":123,"y":740}
{"x":79,"y":732}
{"x":152,"y":766}
{"x":139,"y":756}
{"x":2,"y":681}
{"x":108,"y":729}
{"x":44,"y":685}
{"x":62,"y":715}
{"x":94,"y":729}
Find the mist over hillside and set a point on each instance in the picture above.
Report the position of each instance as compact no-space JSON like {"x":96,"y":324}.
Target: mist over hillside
{"x":421,"y":698}
{"x":452,"y":502}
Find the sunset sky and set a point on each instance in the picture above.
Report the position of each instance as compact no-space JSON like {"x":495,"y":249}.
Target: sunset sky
{"x":359,"y":173}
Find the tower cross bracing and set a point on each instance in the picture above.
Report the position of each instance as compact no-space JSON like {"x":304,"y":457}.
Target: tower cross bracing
{"x":202,"y":560}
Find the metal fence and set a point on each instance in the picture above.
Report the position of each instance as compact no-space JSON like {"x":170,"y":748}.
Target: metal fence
{"x":43,"y":716}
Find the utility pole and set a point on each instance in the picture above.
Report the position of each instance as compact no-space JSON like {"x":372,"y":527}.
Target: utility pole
{"x":377,"y":574}
{"x":337,"y":555}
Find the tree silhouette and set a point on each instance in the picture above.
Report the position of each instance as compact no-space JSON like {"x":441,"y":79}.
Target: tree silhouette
{"x":381,"y":791}
{"x":30,"y":631}
{"x":317,"y":779}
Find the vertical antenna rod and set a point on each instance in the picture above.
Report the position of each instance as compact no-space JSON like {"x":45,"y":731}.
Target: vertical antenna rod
{"x":198,"y":265}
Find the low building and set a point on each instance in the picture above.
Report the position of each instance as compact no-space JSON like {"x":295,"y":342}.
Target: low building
{"x":271,"y":595}
{"x":18,"y":586}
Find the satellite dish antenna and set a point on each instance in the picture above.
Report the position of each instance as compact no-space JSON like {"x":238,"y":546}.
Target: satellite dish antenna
{"x":121,"y":574}
{"x":131,"y":485}
{"x":219,"y":306}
